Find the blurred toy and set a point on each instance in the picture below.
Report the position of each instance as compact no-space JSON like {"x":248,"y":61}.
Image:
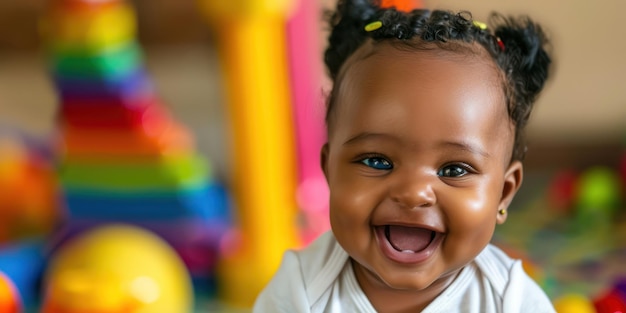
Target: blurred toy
{"x":614,"y":300}
{"x":10,"y":301}
{"x":123,"y":156}
{"x":30,"y":210}
{"x":22,"y":264}
{"x":598,"y":195}
{"x":117,"y":269}
{"x":29,"y":197}
{"x":252,"y":46}
{"x":620,"y":287}
{"x":196,"y":240}
{"x":402,"y":5}
{"x":573,"y":303}
{"x":611,"y":302}
{"x":562,"y":190}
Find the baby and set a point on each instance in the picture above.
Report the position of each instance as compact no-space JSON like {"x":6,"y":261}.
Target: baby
{"x":424,"y":155}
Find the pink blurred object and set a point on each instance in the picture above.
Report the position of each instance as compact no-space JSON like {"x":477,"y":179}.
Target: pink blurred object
{"x":305,"y":68}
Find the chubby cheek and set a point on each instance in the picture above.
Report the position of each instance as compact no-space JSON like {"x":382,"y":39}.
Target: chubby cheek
{"x":348,"y":207}
{"x":351,"y":204}
{"x":350,"y":223}
{"x":471,"y":220}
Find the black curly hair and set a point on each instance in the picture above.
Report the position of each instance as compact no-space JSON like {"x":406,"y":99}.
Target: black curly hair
{"x":516,"y":45}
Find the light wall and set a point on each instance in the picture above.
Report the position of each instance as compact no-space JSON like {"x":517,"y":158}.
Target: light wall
{"x":585,"y":101}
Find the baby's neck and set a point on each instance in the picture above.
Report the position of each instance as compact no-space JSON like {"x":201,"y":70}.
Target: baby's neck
{"x":387,"y":300}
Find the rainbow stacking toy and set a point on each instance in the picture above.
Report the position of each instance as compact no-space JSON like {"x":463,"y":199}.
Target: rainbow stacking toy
{"x":123,"y":157}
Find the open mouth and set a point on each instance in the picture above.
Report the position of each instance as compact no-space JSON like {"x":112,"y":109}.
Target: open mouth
{"x":408,"y":239}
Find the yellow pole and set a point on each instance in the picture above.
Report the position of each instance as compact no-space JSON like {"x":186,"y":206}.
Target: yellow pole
{"x":252,"y":43}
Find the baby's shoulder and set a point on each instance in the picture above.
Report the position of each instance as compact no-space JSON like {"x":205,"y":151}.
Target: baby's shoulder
{"x":303,"y":277}
{"x":322,"y":261}
{"x":517,"y":291}
{"x":496,"y":266}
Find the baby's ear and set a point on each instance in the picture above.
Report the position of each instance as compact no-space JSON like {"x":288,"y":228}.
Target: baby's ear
{"x":512,"y":181}
{"x":324,"y":160}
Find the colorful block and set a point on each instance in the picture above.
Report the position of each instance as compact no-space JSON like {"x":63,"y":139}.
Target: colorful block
{"x":146,"y":114}
{"x":172,"y":139}
{"x":107,"y":64}
{"x":165,"y":206}
{"x":102,"y":88}
{"x":89,"y":29}
{"x":167,"y":174}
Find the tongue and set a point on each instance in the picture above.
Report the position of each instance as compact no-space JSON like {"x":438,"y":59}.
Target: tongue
{"x":408,"y":239}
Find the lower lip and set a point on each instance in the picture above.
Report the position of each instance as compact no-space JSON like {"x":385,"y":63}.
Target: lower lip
{"x":404,"y":257}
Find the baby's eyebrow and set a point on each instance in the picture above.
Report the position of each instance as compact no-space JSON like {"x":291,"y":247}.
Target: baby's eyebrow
{"x":466,"y":146}
{"x":366,"y":136}
{"x":458,"y":145}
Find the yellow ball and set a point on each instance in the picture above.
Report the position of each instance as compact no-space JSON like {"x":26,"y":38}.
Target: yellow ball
{"x":117,"y":269}
{"x":573,"y":303}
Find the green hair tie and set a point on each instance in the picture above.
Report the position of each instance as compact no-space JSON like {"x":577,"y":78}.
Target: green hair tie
{"x":480,"y":25}
{"x":373,"y":26}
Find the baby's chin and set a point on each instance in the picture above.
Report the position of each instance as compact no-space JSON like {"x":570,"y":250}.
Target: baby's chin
{"x":414,"y":282}
{"x":403,"y":280}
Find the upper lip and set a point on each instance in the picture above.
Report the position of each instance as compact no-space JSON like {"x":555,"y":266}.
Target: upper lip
{"x":434,"y":228}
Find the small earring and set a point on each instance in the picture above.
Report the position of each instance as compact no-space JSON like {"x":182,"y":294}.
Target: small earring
{"x":502,"y":211}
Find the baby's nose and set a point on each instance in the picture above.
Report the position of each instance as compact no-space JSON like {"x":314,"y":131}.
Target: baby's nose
{"x":414,"y":190}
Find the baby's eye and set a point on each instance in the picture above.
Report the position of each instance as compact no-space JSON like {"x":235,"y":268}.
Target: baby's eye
{"x":377,"y":163}
{"x":453,"y":170}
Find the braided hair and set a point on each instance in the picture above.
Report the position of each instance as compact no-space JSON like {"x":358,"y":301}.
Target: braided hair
{"x":516,"y":45}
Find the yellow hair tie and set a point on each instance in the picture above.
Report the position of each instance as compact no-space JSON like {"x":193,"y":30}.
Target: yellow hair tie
{"x":480,"y":25}
{"x":373,"y":26}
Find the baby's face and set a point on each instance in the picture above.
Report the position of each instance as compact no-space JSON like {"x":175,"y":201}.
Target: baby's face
{"x":418,"y":164}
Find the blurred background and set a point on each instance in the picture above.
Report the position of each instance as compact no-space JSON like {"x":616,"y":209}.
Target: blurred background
{"x":567,"y":223}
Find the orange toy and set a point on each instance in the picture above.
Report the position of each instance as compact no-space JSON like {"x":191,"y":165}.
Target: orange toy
{"x":9,"y":297}
{"x":402,"y":5}
{"x":28,"y":193}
